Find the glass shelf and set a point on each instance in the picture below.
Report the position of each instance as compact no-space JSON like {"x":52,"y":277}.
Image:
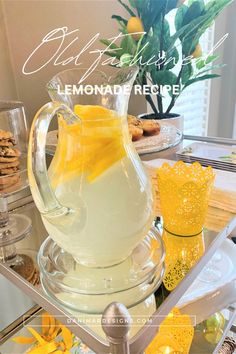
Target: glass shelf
{"x":141,"y":340}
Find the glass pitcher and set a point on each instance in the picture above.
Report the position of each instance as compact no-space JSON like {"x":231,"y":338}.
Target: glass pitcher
{"x":95,"y":200}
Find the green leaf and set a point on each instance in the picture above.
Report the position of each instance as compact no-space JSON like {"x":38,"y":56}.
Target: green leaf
{"x":128,"y":45}
{"x":200,"y":64}
{"x":166,"y":35}
{"x":172,"y":59}
{"x":163,"y":77}
{"x":211,"y":58}
{"x":188,"y":46}
{"x":194,"y":29}
{"x":113,"y":50}
{"x":186,"y":73}
{"x":159,"y":33}
{"x":179,"y":17}
{"x":127,"y":8}
{"x":170,"y":5}
{"x":153,"y":44}
{"x":201,"y":78}
{"x":194,"y":11}
{"x":212,"y":67}
{"x":210,"y":4}
{"x":120,"y":19}
{"x":150,"y":12}
{"x":132,"y":3}
{"x":125,"y":60}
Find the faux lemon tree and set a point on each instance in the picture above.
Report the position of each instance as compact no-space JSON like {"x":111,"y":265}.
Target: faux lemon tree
{"x":166,"y":58}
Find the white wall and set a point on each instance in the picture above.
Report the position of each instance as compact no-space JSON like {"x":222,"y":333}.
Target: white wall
{"x":7,"y":83}
{"x":223,"y":94}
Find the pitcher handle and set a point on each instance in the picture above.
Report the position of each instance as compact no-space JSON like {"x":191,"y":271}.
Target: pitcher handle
{"x":41,"y":189}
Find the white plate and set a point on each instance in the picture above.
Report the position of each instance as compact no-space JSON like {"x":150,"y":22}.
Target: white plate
{"x":209,"y":163}
{"x":212,"y":162}
{"x":210,"y":152}
{"x":227,"y":266}
{"x":169,"y":137}
{"x":201,"y":309}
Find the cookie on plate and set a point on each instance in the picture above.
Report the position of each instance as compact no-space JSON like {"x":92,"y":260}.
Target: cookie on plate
{"x":132,"y":120}
{"x":135,"y":132}
{"x":150,"y":127}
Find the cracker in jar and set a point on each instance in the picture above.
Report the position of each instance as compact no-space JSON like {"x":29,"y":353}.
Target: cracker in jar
{"x":9,"y":152}
{"x":8,"y":171}
{"x":8,"y":159}
{"x":5,"y":135}
{"x":9,"y":164}
{"x":8,"y":181}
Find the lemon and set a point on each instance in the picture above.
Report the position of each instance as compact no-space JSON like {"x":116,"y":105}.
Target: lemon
{"x":135,"y":25}
{"x":164,"y":343}
{"x":214,"y":337}
{"x":197,"y":53}
{"x":214,"y":328}
{"x":215,"y":321}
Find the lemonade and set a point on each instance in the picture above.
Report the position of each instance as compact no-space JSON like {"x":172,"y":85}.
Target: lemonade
{"x":96,"y":173}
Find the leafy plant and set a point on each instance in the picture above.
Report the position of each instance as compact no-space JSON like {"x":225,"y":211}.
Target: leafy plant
{"x":166,"y":58}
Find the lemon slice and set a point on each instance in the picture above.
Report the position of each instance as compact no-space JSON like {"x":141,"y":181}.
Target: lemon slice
{"x":90,"y":147}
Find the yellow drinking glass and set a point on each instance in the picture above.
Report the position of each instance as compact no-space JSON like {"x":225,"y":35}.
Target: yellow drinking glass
{"x":182,"y":253}
{"x":175,"y":335}
{"x":184,"y":195}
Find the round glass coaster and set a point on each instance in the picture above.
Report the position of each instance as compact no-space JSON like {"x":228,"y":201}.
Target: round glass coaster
{"x":18,"y":227}
{"x":90,"y":290}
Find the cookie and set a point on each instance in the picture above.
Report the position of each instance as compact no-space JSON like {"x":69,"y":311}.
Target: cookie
{"x":135,"y":132}
{"x":9,"y":164}
{"x":8,"y":171}
{"x":8,"y":159}
{"x":150,"y":127}
{"x":4,"y":135}
{"x":132,"y":120}
{"x":11,"y":188}
{"x":7,"y":181}
{"x":6,"y":143}
{"x":9,"y":152}
{"x":26,"y":268}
